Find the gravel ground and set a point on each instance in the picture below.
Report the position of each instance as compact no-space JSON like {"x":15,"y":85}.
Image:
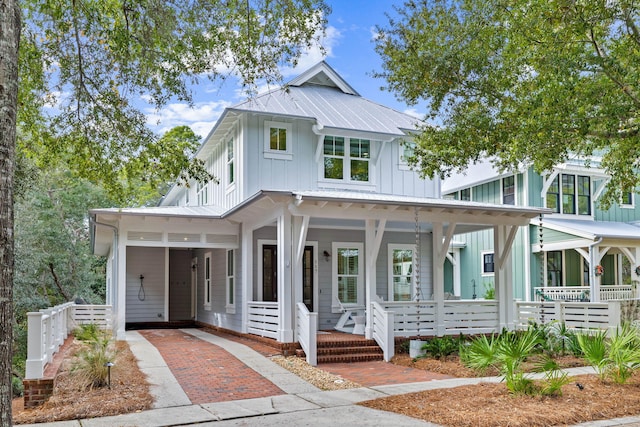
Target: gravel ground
{"x":319,"y":378}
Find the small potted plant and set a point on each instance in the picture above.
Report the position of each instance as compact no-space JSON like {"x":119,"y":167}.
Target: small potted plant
{"x":599,"y":270}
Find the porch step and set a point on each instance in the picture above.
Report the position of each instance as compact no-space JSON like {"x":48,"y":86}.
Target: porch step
{"x":347,"y":351}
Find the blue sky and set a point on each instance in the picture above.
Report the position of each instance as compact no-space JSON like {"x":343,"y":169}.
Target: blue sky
{"x":349,"y":50}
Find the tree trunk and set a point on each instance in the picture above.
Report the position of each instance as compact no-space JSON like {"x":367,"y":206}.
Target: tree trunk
{"x":9,"y":40}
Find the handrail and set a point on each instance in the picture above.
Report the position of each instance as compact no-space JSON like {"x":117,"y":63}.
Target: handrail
{"x":383,"y":329}
{"x":307,"y":330}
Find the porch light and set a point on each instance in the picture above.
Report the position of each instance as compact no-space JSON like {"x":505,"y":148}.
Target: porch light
{"x":327,"y":255}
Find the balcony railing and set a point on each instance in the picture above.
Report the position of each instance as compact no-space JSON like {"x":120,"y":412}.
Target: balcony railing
{"x":582,"y":293}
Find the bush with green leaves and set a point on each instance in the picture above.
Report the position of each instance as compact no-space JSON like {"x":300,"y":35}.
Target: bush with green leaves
{"x":616,"y":357}
{"x":507,"y":352}
{"x":90,"y":367}
{"x":441,"y":347}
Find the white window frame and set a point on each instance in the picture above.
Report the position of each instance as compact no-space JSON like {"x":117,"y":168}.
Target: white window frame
{"x":269,"y":153}
{"x":335,"y":246}
{"x":346,"y":181}
{"x":392,"y":247}
{"x":230,"y":149}
{"x":230,"y":281}
{"x":487,"y":273}
{"x":515,"y":190}
{"x":202,"y":193}
{"x":629,"y":205}
{"x":576,"y":195}
{"x":208,"y":281}
{"x":403,"y":147}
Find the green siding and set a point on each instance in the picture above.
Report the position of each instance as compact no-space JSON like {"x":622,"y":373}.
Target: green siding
{"x":487,"y":193}
{"x":573,"y":267}
{"x":448,"y":276}
{"x":609,"y":276}
{"x":550,"y":236}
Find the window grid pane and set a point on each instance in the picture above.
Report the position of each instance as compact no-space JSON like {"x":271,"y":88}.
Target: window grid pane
{"x":568,"y":194}
{"x":584,"y":195}
{"x":508,"y":190}
{"x":348,"y":272}
{"x":402,"y":273}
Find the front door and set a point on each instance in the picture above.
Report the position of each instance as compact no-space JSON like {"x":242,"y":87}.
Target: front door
{"x":307,"y":277}
{"x":270,"y":273}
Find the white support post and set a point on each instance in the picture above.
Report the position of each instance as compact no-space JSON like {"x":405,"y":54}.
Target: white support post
{"x":390,"y":339}
{"x":285,"y":291}
{"x":120,"y":286}
{"x":247,"y":274}
{"x":438,"y":276}
{"x":503,"y":237}
{"x":615,"y":316}
{"x":35,"y":346}
{"x":373,"y":239}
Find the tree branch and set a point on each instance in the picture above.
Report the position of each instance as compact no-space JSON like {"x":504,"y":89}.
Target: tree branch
{"x":57,"y":282}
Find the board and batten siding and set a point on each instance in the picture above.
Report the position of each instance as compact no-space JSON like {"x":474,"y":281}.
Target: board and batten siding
{"x":146,"y":304}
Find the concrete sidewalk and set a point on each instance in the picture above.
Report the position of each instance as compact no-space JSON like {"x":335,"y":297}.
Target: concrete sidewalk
{"x":303,"y":405}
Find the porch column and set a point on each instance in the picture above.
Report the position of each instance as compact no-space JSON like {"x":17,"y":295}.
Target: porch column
{"x":503,"y":237}
{"x":300,"y":228}
{"x":120,"y":287}
{"x":595,"y":257}
{"x":372,"y":239}
{"x":285,"y":290}
{"x":246,"y":263}
{"x":438,"y":276}
{"x":635,"y":278}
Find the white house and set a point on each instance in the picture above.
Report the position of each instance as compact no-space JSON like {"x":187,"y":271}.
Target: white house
{"x":316,"y":212}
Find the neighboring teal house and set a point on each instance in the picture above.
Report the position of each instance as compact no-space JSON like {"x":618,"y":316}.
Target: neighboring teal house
{"x":577,"y":252}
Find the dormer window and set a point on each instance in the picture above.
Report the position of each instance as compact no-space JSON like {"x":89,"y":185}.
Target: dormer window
{"x":277,"y":140}
{"x":349,"y":165}
{"x":509,"y":190}
{"x":627,"y":200}
{"x":573,"y":197}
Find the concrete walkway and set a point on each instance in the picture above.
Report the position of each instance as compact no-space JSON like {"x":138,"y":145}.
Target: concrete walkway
{"x":302,"y":405}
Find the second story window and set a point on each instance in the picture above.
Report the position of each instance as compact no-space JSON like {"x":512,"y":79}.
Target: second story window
{"x":571,"y":197}
{"x":203,"y":194}
{"x":465,"y":194}
{"x":627,"y":200}
{"x":509,"y":190}
{"x":230,"y":163}
{"x":346,"y":159}
{"x":278,"y":140}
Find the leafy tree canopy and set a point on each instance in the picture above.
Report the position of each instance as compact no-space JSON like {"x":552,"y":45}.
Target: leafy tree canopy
{"x":523,"y":83}
{"x":83,"y":63}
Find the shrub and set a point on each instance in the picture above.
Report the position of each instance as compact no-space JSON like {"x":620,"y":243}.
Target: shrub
{"x":441,"y":347}
{"x":480,"y":353}
{"x":90,"y":366}
{"x":87,"y":332}
{"x":17,"y":388}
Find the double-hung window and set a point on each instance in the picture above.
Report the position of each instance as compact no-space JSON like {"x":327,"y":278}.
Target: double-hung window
{"x":570,"y":194}
{"x":627,"y":200}
{"x":231,"y":172}
{"x":230,"y":281}
{"x":346,"y":159}
{"x":554,"y":268}
{"x":488,"y":266}
{"x":348,"y":274}
{"x":202,"y":191}
{"x":407,"y":151}
{"x":401,"y":272}
{"x":509,"y":190}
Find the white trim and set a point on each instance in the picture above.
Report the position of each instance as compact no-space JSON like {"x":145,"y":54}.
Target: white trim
{"x":360,"y":290}
{"x":316,"y":285}
{"x":346,"y":182}
{"x":402,"y":162}
{"x":208,"y":281}
{"x":487,"y":274}
{"x":631,"y":205}
{"x":230,"y":306}
{"x":166,"y":285}
{"x":515,"y":190}
{"x":270,"y":153}
{"x":261,"y":243}
{"x":391,"y":247}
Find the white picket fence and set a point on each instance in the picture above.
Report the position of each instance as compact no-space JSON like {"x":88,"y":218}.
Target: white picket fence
{"x":48,"y":328}
{"x":577,"y":316}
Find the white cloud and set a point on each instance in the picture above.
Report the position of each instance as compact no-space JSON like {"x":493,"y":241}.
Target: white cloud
{"x":201,"y":117}
{"x":314,"y":54}
{"x":415,"y":113}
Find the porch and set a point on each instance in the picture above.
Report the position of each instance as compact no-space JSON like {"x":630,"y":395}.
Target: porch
{"x":582,"y":293}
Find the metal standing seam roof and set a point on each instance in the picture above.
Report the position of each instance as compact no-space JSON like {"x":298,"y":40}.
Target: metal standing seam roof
{"x":331,"y":108}
{"x":594,"y":229}
{"x":165,"y":211}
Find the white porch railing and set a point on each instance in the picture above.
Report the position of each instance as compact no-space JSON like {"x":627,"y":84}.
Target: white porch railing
{"x":580,"y":316}
{"x":263,"y":319}
{"x":307,"y":327}
{"x":48,"y":328}
{"x":581,"y":293}
{"x":458,"y":316}
{"x":383,"y":331}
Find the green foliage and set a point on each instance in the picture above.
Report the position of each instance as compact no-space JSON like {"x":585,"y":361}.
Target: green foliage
{"x":90,"y":366}
{"x":98,"y":62}
{"x":404,"y":346}
{"x":594,"y":350}
{"x":480,"y":353}
{"x":556,"y":339}
{"x":507,"y":352}
{"x":17,"y":388}
{"x":87,"y":332}
{"x":521,"y":85}
{"x":489,"y":291}
{"x":441,"y":347}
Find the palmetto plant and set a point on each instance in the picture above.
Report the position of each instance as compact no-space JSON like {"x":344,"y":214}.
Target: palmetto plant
{"x":616,"y":357}
{"x":480,"y":353}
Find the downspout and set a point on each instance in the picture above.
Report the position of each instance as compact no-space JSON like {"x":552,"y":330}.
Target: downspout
{"x":111,"y":299}
{"x":595,"y":296}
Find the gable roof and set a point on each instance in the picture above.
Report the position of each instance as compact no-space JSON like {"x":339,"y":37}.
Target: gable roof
{"x":320,"y":94}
